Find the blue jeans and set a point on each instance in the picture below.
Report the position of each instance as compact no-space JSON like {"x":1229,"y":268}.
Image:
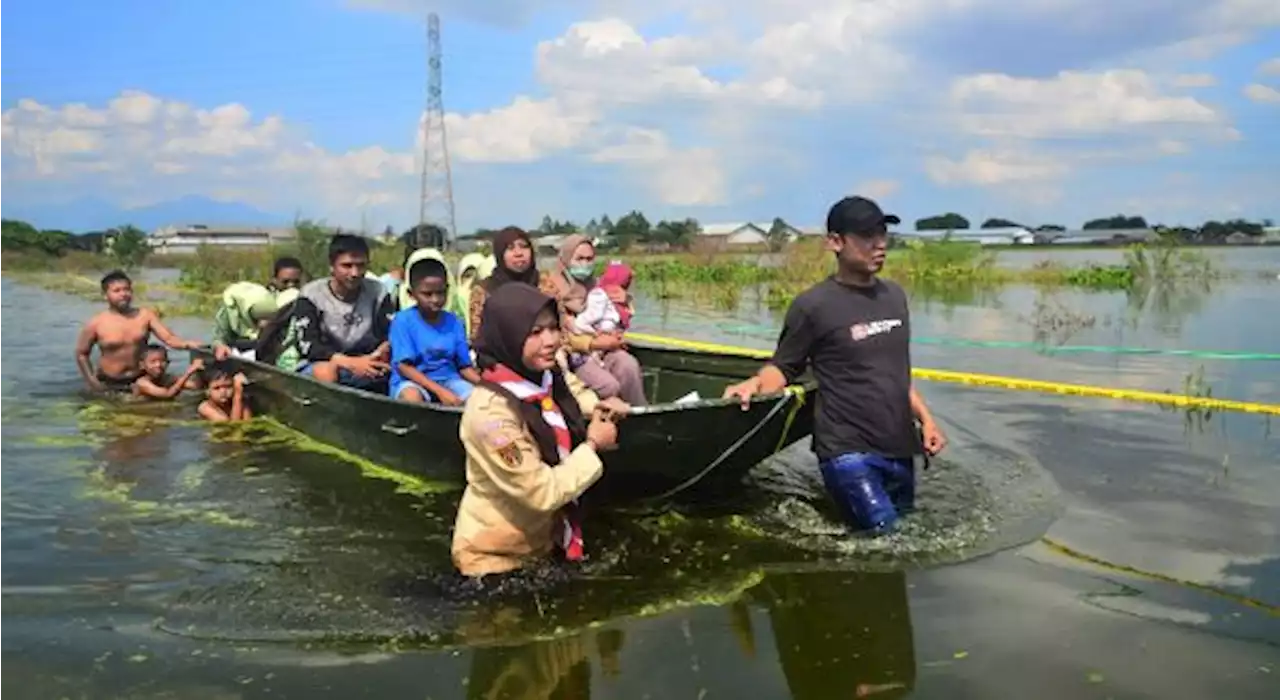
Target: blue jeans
{"x":346,"y":378}
{"x":870,"y":490}
{"x":459,"y":386}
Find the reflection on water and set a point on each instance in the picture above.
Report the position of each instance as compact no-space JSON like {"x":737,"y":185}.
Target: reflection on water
{"x":834,"y":635}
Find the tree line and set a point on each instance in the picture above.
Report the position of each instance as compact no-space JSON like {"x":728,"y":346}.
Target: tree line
{"x":127,"y":244}
{"x":1208,"y":231}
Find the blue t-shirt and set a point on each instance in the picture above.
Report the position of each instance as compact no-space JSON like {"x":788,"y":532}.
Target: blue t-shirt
{"x":437,"y":350}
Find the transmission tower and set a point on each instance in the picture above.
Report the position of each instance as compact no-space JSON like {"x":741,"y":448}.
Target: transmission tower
{"x":436,"y":206}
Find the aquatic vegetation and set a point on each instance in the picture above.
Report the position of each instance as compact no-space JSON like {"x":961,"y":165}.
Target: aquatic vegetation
{"x":1054,"y":323}
{"x":930,"y":268}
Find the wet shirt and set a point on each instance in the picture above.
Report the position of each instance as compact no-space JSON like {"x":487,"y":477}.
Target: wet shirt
{"x":328,"y":326}
{"x":857,"y":341}
{"x":438,"y":350}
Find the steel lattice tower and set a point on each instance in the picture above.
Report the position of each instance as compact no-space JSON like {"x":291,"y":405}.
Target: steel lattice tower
{"x":436,"y":206}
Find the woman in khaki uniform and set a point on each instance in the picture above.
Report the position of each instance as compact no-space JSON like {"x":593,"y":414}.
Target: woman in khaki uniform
{"x":530,"y":454}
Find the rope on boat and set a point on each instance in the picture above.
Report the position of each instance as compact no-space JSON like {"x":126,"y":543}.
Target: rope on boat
{"x":1004,"y":382}
{"x":792,"y":395}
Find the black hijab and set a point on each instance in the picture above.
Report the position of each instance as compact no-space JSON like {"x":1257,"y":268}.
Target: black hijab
{"x":503,"y":274}
{"x":509,"y":314}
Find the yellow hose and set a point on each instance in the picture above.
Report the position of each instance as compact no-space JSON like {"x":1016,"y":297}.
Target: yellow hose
{"x":995,"y":380}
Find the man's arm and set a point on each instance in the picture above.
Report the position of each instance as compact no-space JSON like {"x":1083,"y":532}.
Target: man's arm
{"x":166,"y":336}
{"x":918,"y":407}
{"x":789,"y":360}
{"x":932,"y":437}
{"x":84,"y":349}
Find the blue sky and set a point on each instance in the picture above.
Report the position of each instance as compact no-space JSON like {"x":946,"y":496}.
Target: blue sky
{"x":740,"y":109}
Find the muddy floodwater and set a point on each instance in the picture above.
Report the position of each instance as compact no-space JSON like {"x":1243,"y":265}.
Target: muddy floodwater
{"x":1065,"y":547}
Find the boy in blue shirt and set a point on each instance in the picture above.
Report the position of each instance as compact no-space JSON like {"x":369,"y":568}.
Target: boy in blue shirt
{"x":430,"y":358}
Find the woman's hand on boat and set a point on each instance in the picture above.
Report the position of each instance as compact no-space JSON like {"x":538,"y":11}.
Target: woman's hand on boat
{"x":602,"y":434}
{"x":221,"y":352}
{"x":612,"y":409}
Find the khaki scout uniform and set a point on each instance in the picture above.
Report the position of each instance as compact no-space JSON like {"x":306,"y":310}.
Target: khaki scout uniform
{"x":512,"y":497}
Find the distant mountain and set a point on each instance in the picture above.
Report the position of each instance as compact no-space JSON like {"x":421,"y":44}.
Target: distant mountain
{"x":92,"y":214}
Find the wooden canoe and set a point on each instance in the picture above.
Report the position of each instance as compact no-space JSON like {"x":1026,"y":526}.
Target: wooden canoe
{"x":666,"y":450}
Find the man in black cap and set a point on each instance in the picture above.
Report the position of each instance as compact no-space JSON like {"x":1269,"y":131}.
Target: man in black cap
{"x":854,"y":330}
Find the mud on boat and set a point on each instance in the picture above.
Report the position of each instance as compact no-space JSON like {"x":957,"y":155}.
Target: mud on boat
{"x":675,"y":447}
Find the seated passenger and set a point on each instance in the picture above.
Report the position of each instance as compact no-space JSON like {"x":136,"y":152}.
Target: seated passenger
{"x":453,"y":304}
{"x":430,"y":358}
{"x":530,"y":453}
{"x":514,"y":261}
{"x":342,"y":320}
{"x":468,"y":276}
{"x":278,"y":340}
{"x":286,"y":274}
{"x":246,"y":308}
{"x":601,"y":360}
{"x":155,"y":382}
{"x":608,"y":306}
{"x":224,"y":395}
{"x":392,"y":281}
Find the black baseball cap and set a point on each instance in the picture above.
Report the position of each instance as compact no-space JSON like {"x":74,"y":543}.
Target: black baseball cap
{"x":858,"y":216}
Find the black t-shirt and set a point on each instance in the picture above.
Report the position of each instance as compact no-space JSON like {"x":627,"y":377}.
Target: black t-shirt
{"x":858,"y":342}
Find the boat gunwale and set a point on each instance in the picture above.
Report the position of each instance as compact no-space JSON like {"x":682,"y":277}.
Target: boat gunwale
{"x":652,"y":409}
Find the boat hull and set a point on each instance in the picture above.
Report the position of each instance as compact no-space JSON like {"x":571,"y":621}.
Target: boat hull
{"x":666,"y":451}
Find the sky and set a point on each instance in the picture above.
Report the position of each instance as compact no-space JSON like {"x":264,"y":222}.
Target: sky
{"x":1042,"y":111}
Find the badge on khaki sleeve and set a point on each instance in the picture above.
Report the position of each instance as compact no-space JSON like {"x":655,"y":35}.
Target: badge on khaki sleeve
{"x":497,"y":440}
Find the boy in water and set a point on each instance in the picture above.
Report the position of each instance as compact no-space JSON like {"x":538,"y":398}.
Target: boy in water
{"x":121,"y":332}
{"x":155,"y":382}
{"x":224,"y":396}
{"x":430,"y":358}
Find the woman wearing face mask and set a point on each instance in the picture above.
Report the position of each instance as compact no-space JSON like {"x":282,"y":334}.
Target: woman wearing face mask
{"x":530,"y":453}
{"x":599,"y":360}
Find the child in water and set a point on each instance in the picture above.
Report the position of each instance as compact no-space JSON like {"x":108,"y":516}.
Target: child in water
{"x":224,"y":396}
{"x":608,"y":306}
{"x":155,"y":382}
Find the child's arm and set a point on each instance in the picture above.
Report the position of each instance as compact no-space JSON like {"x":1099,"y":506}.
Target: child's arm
{"x":84,"y":348}
{"x":239,"y":410}
{"x":210,"y":412}
{"x":470,"y":374}
{"x":145,"y":387}
{"x":166,"y":336}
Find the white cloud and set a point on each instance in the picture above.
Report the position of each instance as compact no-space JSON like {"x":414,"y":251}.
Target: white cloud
{"x":677,"y":177}
{"x":877,"y":189}
{"x":1262,"y":93}
{"x":1271,"y":67}
{"x":985,"y":168}
{"x":1194,"y":80}
{"x":1071,"y":103}
{"x":215,"y":150}
{"x":523,"y":131}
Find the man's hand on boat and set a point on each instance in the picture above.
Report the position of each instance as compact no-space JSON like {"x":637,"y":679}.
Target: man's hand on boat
{"x":769,"y":380}
{"x":612,"y":409}
{"x":221,"y":352}
{"x":602,"y":433}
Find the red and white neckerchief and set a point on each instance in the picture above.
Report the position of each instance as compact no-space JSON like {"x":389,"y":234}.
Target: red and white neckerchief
{"x":523,"y":389}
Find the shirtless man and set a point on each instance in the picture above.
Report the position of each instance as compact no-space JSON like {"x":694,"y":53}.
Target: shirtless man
{"x":121,"y":334}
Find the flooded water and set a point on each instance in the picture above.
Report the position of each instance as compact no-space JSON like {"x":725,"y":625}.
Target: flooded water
{"x":148,"y":556}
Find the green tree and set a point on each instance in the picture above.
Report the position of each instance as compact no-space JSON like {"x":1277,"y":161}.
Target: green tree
{"x":312,"y":241}
{"x":778,"y":235}
{"x":950,"y":221}
{"x":631,"y":229}
{"x":997,"y":222}
{"x":129,"y":246}
{"x":678,"y":234}
{"x":1051,"y":227}
{"x":1119,"y":221}
{"x":606,"y":225}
